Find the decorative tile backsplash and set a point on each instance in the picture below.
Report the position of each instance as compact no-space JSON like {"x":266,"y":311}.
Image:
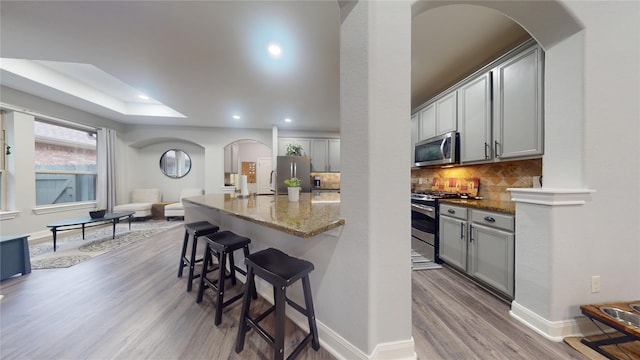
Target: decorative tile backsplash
{"x":327,"y":180}
{"x":456,"y":185}
{"x":494,"y":178}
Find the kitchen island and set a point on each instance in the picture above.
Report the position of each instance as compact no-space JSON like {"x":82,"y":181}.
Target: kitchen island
{"x":309,"y":229}
{"x":312,"y":215}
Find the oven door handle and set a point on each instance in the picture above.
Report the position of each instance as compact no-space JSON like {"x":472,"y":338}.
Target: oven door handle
{"x":426,"y":210}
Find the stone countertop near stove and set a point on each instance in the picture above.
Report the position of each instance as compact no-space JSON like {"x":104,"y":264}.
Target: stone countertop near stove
{"x":508,"y":207}
{"x":312,"y":215}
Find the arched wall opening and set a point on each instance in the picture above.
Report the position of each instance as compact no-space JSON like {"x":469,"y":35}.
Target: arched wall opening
{"x":251,"y":158}
{"x":145,"y":155}
{"x":559,"y":34}
{"x":544,"y":215}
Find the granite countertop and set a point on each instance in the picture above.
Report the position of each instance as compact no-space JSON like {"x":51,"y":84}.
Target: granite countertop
{"x":312,"y":215}
{"x":508,"y":207}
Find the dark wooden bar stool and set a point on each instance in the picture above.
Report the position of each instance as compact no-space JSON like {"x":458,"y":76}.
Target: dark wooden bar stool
{"x":280,"y":270}
{"x":195,"y":229}
{"x":222,"y":245}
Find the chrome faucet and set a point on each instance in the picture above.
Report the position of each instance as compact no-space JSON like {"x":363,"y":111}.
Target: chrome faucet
{"x":272,"y":182}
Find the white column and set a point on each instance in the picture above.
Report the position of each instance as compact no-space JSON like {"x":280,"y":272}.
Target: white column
{"x":375,"y":67}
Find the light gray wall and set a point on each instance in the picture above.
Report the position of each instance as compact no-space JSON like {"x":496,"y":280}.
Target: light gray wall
{"x":147,"y":163}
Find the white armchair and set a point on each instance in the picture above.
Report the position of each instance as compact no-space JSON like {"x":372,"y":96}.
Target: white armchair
{"x":177,"y":209}
{"x":141,"y":201}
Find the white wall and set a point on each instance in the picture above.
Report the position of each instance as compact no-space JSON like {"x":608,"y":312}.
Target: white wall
{"x":249,"y":152}
{"x":212,"y":141}
{"x":147,"y":163}
{"x":612,"y":167}
{"x":373,"y":308}
{"x":593,"y":87}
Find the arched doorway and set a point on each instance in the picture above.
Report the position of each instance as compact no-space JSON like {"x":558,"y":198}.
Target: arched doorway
{"x":251,"y":158}
{"x":561,"y":36}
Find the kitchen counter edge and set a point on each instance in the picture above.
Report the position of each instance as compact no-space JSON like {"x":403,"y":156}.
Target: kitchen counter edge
{"x":507,"y":207}
{"x":317,"y":229}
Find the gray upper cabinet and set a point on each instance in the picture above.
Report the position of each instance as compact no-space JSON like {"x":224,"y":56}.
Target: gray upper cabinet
{"x":284,"y":142}
{"x":319,"y":155}
{"x":518,"y":120}
{"x":498,"y":110}
{"x":324,"y":153}
{"x":427,"y":122}
{"x":414,"y":137}
{"x":438,"y":117}
{"x":474,"y":117}
{"x":231,"y":158}
{"x":334,"y":155}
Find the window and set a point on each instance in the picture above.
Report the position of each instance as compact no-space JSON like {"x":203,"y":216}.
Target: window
{"x":3,"y":160}
{"x":65,"y":163}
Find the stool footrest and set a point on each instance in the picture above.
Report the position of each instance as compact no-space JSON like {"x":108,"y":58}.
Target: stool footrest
{"x":261,"y":331}
{"x":300,"y":346}
{"x":232,"y":300}
{"x":300,"y":309}
{"x":266,"y":313}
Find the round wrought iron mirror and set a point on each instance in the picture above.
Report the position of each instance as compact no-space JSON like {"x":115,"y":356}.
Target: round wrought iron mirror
{"x":175,"y":163}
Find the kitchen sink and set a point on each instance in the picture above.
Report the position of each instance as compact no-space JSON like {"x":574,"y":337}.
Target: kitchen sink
{"x":622,"y":315}
{"x":635,"y":307}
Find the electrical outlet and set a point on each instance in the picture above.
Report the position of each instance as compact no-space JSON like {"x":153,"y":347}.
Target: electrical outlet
{"x":595,"y":284}
{"x":420,"y":181}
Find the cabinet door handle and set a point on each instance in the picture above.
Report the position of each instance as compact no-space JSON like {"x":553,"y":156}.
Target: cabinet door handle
{"x":451,"y":211}
{"x":461,"y":230}
{"x":489,"y":219}
{"x":486,"y":153}
{"x":470,"y":233}
{"x":497,"y":144}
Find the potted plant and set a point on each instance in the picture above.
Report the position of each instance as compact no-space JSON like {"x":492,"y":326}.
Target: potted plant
{"x":293,"y":189}
{"x":294,"y":150}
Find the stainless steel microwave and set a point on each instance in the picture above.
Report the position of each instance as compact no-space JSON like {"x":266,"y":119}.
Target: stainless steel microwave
{"x":440,"y":150}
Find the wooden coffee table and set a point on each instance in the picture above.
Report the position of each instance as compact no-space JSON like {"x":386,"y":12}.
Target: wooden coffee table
{"x":73,"y":224}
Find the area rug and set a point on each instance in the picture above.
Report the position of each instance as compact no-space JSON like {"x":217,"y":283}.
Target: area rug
{"x":419,"y":262}
{"x":624,"y":351}
{"x":71,"y":249}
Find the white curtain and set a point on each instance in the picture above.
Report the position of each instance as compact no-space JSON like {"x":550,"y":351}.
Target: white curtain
{"x":106,"y":183}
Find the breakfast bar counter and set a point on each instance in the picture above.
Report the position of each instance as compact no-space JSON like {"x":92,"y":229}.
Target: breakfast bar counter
{"x":313,"y":214}
{"x":309,"y":229}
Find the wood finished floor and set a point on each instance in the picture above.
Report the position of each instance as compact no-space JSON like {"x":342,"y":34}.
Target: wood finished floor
{"x":129,"y":304}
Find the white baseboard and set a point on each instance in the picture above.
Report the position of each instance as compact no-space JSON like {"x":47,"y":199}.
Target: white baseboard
{"x":338,"y":346}
{"x":553,"y":330}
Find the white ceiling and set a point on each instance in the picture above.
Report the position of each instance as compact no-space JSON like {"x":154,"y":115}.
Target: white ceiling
{"x":207,"y":60}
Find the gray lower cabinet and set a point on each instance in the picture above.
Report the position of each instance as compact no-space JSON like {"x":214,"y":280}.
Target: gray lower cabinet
{"x":453,"y":235}
{"x":480,"y":243}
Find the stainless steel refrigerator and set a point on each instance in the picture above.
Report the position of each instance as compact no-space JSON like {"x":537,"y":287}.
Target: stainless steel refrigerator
{"x":293,"y":166}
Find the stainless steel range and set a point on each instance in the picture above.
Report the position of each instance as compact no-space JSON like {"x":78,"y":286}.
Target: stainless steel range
{"x":424,"y":223}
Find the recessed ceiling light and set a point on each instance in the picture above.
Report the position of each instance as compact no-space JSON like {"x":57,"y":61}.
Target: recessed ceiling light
{"x":237,"y":117}
{"x":287,"y":120}
{"x":274,"y":50}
